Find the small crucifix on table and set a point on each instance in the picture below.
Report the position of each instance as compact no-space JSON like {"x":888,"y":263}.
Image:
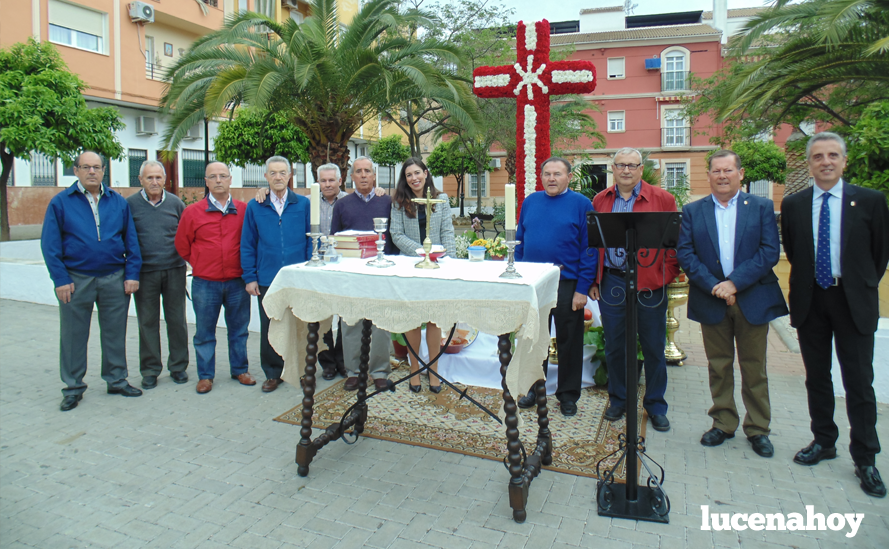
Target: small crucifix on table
{"x":427,"y":243}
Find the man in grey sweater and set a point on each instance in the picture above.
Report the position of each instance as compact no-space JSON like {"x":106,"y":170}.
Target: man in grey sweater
{"x":156,"y":214}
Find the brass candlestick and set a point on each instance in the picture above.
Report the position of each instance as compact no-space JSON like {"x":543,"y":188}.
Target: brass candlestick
{"x":511,"y":243}
{"x":677,"y":294}
{"x":380,"y":224}
{"x":427,"y":263}
{"x":315,"y":234}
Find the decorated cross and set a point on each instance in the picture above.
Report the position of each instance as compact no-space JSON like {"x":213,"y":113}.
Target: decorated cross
{"x":532,"y":80}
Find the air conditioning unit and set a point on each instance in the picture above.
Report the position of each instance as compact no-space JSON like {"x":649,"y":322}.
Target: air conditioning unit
{"x":140,"y":12}
{"x":494,"y":163}
{"x":194,"y":132}
{"x":146,"y":125}
{"x":292,"y":4}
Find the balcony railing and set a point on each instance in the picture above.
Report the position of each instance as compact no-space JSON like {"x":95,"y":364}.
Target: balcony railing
{"x":676,"y":137}
{"x":674,"y":81}
{"x":214,"y":3}
{"x":154,"y":71}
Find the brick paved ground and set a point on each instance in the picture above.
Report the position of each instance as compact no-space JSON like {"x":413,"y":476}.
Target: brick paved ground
{"x":175,"y":469}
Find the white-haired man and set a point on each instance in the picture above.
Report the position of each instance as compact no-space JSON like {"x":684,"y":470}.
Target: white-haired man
{"x":156,"y":214}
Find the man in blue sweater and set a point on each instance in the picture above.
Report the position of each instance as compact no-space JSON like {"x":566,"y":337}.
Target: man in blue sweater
{"x":91,"y":250}
{"x":552,"y":228}
{"x":273,"y":236}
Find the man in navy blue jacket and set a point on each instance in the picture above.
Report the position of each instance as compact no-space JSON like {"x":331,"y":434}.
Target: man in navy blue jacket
{"x":273,"y":236}
{"x":552,"y":229}
{"x":91,"y":250}
{"x":727,"y":247}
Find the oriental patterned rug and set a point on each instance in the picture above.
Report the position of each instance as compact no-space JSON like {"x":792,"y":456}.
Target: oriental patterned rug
{"x":444,"y":422}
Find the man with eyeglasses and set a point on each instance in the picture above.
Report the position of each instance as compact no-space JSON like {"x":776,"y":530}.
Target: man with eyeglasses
{"x":209,"y":238}
{"x":734,"y":294}
{"x":92,"y":253}
{"x":274,"y":236}
{"x":631,"y":194}
{"x":156,"y":215}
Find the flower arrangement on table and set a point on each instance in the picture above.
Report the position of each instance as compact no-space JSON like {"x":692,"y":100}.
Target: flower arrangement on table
{"x":495,"y":248}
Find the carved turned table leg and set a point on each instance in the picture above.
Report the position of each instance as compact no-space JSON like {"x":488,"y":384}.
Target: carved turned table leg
{"x":518,"y":494}
{"x":543,"y":433}
{"x":363,"y":367}
{"x":304,"y":450}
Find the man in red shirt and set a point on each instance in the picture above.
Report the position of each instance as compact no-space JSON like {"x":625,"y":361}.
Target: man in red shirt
{"x":209,"y":238}
{"x":631,"y":194}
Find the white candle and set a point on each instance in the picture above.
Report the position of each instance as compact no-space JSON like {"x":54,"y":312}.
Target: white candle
{"x":509,"y":193}
{"x":316,"y":205}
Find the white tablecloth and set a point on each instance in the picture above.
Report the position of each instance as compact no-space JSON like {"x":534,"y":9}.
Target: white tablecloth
{"x":400,"y":298}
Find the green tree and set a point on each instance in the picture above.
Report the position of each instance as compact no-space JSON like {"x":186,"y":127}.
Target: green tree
{"x":252,"y":137}
{"x":390,"y":151}
{"x":820,"y":60}
{"x":42,"y":109}
{"x":868,"y":149}
{"x":449,"y":158}
{"x":326,"y":79}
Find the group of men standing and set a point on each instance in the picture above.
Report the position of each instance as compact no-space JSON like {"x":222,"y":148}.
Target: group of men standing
{"x":836,"y":238}
{"x":100,"y":248}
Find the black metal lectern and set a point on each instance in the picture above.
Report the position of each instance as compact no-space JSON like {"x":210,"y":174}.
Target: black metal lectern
{"x":655,"y":232}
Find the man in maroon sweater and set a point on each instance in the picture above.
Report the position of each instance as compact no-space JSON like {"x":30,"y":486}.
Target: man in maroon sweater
{"x":357,"y":212}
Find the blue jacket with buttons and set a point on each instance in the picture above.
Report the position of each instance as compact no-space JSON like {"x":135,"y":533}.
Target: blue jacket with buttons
{"x":270,"y":241}
{"x":71,"y":242}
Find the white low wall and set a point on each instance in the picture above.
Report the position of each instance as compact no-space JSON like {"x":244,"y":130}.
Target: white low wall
{"x":23,"y":277}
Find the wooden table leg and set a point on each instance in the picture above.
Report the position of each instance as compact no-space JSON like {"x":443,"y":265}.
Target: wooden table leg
{"x":304,"y":450}
{"x":544,"y":437}
{"x":518,"y":489}
{"x":363,"y":367}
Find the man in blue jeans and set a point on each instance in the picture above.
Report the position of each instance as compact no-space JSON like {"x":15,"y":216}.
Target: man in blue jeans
{"x":274,"y":236}
{"x":209,"y":238}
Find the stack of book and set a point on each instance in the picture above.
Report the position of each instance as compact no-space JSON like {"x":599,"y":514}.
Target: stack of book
{"x":361,"y":244}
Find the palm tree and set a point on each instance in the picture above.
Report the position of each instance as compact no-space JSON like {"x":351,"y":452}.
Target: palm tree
{"x":828,"y":57}
{"x":327,"y":79}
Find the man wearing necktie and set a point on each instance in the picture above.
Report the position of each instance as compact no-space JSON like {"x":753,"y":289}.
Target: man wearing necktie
{"x":835,"y":238}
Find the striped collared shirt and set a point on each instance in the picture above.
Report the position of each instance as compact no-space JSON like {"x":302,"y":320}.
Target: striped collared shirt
{"x":94,"y":202}
{"x":615,"y":258}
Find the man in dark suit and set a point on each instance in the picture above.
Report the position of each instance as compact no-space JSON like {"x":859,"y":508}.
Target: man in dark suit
{"x":727,"y":247}
{"x":835,"y":237}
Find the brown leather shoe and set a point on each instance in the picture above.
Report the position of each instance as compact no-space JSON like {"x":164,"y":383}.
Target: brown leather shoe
{"x":381,"y":384}
{"x":204,"y":386}
{"x":245,"y":379}
{"x":270,"y":385}
{"x":351,"y":384}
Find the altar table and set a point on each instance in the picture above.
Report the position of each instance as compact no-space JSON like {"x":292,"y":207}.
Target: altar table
{"x":302,"y":300}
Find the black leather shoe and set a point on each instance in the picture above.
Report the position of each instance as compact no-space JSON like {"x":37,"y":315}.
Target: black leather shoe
{"x":435,"y":388}
{"x":179,"y":377}
{"x":415,"y":388}
{"x":871,"y":482}
{"x":813,"y":453}
{"x":715,"y":437}
{"x":328,"y":374}
{"x":127,"y":391}
{"x":70,"y":402}
{"x":529,"y":400}
{"x":660,"y":423}
{"x":568,"y":408}
{"x":614,"y":412}
{"x":762,"y":445}
{"x":149,"y":382}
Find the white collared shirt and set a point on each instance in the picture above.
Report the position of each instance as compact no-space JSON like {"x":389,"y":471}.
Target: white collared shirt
{"x":726,"y":221}
{"x":279,"y":203}
{"x":835,"y":204}
{"x":219,"y":206}
{"x":94,"y":202}
{"x":159,"y":202}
